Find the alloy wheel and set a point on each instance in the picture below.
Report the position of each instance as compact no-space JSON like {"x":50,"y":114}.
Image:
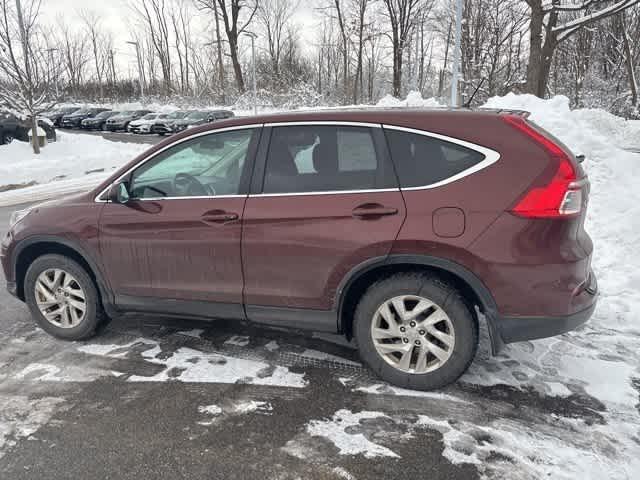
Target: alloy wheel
{"x":60,"y":298}
{"x":413,"y":334}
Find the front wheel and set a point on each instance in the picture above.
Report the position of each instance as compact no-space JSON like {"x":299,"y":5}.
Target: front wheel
{"x":62,"y":298}
{"x":415,"y":331}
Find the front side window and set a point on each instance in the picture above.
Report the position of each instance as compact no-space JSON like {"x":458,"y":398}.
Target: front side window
{"x":320,"y":158}
{"x":208,"y":165}
{"x":422,"y":160}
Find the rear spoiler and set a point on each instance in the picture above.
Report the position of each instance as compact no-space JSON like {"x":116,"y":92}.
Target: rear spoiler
{"x":520,"y":113}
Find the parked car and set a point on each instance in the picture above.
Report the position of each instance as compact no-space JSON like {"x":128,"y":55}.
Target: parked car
{"x":56,"y":115}
{"x":98,"y":121}
{"x":391,"y":226}
{"x":122,"y":120}
{"x":144,"y":124}
{"x":12,"y":128}
{"x":165,"y":125}
{"x":74,"y":120}
{"x":200,"y":117}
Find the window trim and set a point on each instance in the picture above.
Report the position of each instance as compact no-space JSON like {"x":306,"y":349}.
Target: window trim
{"x":104,"y":191}
{"x":490,"y":156}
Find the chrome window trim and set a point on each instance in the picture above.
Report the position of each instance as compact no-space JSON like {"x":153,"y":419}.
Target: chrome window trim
{"x":328,"y":192}
{"x":171,"y":145}
{"x":491,"y":157}
{"x":302,"y":123}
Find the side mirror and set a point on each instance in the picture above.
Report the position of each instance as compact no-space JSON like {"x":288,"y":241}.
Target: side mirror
{"x":119,"y":193}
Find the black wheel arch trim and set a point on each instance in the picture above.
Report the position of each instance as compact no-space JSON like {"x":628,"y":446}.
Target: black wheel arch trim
{"x":487,"y":301}
{"x":103,"y":287}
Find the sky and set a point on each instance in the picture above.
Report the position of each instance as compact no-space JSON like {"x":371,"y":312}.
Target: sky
{"x":117,"y":17}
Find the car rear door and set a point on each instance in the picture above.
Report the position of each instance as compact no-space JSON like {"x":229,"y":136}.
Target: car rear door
{"x":325,"y":198}
{"x":178,"y":236}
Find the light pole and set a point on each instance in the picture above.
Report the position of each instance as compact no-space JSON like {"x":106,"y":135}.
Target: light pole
{"x":140,"y":79}
{"x":50,"y":52}
{"x":456,"y":55}
{"x":253,"y":67}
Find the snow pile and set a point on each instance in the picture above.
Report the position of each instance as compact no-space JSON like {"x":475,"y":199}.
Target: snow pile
{"x":414,"y":99}
{"x":73,"y":156}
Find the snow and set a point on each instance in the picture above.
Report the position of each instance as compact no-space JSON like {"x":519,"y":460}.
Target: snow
{"x":343,"y":430}
{"x":21,"y":417}
{"x":210,"y":409}
{"x":251,"y":406}
{"x":190,"y":365}
{"x":75,"y":162}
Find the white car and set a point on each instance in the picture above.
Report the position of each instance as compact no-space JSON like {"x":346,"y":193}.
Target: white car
{"x":144,"y":124}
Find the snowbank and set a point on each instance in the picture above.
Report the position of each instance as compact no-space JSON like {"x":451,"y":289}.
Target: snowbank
{"x":63,"y":164}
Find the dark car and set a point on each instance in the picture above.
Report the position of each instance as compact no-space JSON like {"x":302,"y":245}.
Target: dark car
{"x":74,"y":120}
{"x":391,"y":226}
{"x":12,"y":128}
{"x":164,"y":126}
{"x":200,"y":117}
{"x":56,"y":115}
{"x":122,"y":120}
{"x":97,"y":122}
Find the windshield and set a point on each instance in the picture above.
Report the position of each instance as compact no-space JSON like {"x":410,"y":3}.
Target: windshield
{"x":82,"y":111}
{"x":106,"y":114}
{"x":176,"y":115}
{"x":150,"y":116}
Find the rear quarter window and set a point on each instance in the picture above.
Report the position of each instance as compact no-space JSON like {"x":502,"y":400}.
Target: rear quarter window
{"x":421,"y":160}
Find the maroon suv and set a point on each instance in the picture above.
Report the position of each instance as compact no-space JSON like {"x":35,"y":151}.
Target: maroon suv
{"x":395,"y":227}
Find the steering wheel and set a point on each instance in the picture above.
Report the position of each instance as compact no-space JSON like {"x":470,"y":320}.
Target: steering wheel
{"x":187,"y":184}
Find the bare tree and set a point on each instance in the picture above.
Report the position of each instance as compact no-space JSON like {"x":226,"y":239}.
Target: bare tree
{"x":360,"y":7}
{"x":24,"y":82}
{"x":181,"y":22}
{"x":629,"y":60}
{"x":155,"y":19}
{"x":274,"y":18}
{"x":75,"y":56}
{"x":401,"y":14}
{"x":232,"y":18}
{"x":98,"y":43}
{"x":546,"y":31}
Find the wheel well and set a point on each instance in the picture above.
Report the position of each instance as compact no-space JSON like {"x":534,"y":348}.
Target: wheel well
{"x":358,"y":287}
{"x":35,"y":250}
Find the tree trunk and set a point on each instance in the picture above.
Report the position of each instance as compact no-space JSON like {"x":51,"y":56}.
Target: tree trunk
{"x":219,"y":52}
{"x":535,"y":47}
{"x":237,"y":69}
{"x":34,"y":132}
{"x":633,"y":84}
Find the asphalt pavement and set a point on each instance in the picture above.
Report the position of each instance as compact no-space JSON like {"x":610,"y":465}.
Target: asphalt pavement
{"x":156,"y":398}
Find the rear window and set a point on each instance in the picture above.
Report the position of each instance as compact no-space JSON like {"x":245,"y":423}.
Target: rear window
{"x":421,"y":160}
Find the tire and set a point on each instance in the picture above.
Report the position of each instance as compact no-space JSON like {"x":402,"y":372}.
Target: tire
{"x":6,"y":138}
{"x":408,"y":288}
{"x":93,"y":315}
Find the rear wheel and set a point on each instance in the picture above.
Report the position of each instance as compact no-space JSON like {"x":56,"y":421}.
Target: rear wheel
{"x":415,"y":331}
{"x":62,"y":298}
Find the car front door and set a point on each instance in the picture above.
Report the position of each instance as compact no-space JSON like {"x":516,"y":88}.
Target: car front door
{"x":325,"y":199}
{"x":177,"y":238}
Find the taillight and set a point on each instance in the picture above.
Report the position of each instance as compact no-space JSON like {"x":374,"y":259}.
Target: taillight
{"x":554,"y":196}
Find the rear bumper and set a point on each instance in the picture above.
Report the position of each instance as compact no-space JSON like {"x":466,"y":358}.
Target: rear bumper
{"x":518,"y":329}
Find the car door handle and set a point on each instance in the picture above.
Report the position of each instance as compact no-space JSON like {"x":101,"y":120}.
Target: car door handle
{"x":219,"y":217}
{"x":373,"y":210}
